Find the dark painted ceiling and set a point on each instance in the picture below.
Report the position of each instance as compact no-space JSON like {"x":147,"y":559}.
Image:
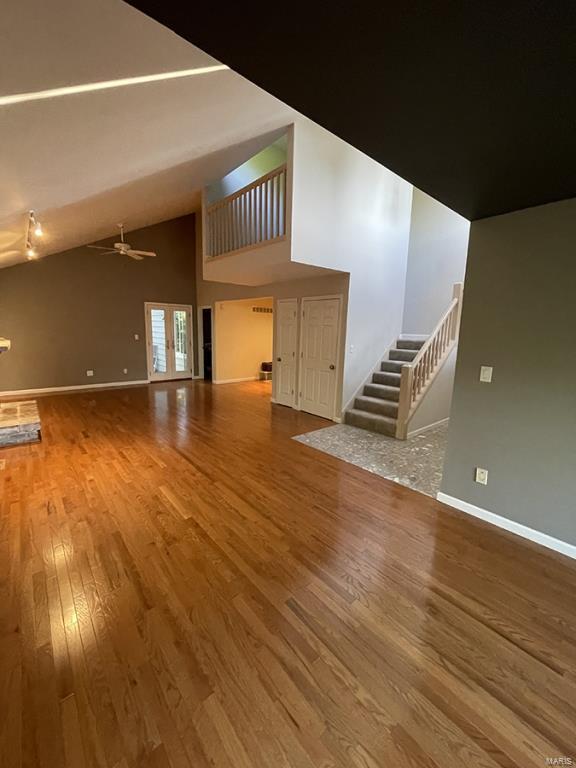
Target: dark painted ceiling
{"x":473,"y":102}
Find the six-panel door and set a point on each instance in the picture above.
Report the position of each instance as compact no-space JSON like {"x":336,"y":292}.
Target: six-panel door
{"x":286,"y":350}
{"x":319,"y":356}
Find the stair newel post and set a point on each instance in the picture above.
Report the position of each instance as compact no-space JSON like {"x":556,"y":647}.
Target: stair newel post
{"x":457,"y":294}
{"x":404,"y":401}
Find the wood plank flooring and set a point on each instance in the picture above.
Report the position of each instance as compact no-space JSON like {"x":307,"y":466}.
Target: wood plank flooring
{"x":181,"y":584}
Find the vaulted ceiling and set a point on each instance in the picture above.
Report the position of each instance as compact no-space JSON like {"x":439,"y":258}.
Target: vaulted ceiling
{"x":137,"y":154}
{"x":473,"y":102}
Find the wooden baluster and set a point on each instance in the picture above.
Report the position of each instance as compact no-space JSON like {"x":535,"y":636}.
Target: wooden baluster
{"x":209,"y":233}
{"x":279,"y":205}
{"x":244,"y":220}
{"x":404,"y":401}
{"x":252,"y":196}
{"x":230,"y":218}
{"x":283,"y":201}
{"x":261,"y":209}
{"x":266,"y":203}
{"x":269,"y":208}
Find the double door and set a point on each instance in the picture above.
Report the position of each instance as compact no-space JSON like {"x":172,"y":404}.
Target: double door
{"x":169,"y":341}
{"x":307,"y":354}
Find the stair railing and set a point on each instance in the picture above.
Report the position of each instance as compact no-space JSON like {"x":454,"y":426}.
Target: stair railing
{"x":254,"y":215}
{"x":418,"y":375}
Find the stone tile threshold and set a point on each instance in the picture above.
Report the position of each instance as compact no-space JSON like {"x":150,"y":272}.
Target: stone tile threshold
{"x":416,"y":462}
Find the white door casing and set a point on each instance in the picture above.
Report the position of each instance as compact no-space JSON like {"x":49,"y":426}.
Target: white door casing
{"x":168,"y":341}
{"x":286,"y":351}
{"x":319,"y":342}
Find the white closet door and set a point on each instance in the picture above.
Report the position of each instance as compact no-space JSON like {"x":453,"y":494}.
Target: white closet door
{"x":286,"y":351}
{"x":319,"y":348}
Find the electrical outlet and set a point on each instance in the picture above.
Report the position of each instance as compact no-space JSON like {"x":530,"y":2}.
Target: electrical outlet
{"x":481,"y":476}
{"x":486,"y":374}
{"x":2,"y":463}
{"x":125,"y":370}
{"x":89,"y":373}
{"x":136,"y":337}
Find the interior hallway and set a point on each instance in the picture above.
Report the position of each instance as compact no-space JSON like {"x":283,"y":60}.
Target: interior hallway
{"x":184,"y":585}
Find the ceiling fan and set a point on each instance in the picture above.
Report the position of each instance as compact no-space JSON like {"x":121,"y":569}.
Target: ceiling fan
{"x":124,"y":248}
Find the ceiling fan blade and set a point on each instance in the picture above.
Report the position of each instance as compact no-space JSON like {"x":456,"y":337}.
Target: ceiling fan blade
{"x":134,"y":255}
{"x":100,"y":248}
{"x":141,"y":253}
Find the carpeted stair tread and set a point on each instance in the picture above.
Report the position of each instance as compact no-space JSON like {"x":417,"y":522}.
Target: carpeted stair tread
{"x":385,"y":377}
{"x":371,"y":421}
{"x":382,"y":391}
{"x":409,"y":344}
{"x":376,"y":405}
{"x":392,"y":366}
{"x":403,"y":354}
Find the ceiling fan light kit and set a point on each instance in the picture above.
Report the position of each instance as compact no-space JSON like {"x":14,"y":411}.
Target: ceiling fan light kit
{"x":33,"y":231}
{"x":124,"y":248}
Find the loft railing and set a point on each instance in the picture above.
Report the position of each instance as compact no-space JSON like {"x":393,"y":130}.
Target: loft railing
{"x":418,"y":375}
{"x":253,"y":216}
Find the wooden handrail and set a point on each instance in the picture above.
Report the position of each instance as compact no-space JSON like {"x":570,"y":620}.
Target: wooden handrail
{"x":250,"y":217}
{"x":429,"y":341}
{"x":241,"y":192}
{"x":417,"y":376}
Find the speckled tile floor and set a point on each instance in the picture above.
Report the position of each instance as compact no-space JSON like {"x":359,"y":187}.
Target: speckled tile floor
{"x":416,"y":462}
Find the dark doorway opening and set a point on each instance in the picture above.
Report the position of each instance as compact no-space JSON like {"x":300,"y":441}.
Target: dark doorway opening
{"x":207,"y":342}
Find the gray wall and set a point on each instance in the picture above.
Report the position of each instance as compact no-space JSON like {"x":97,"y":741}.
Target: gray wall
{"x":520,"y":317}
{"x":80,"y":309}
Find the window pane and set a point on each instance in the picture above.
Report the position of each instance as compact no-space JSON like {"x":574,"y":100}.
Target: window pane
{"x":158,"y":322}
{"x":181,"y":340}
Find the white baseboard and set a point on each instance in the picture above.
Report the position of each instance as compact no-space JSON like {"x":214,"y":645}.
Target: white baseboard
{"x":413,"y":337}
{"x":429,"y":426}
{"x":235,"y":381}
{"x":510,"y":525}
{"x":73,"y":388}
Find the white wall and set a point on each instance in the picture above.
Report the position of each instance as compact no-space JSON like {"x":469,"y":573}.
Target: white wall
{"x":436,"y":260}
{"x":243,"y":339}
{"x":352,"y":214}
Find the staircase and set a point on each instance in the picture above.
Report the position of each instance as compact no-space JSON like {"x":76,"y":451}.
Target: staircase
{"x":376,"y":409}
{"x":394,"y":393}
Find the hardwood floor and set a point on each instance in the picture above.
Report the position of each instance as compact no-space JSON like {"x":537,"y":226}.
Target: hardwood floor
{"x":183,"y":585}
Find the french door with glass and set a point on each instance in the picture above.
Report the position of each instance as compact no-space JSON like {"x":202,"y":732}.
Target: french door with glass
{"x":169,"y":341}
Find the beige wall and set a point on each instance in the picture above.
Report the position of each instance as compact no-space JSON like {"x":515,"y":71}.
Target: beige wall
{"x":243,"y":339}
{"x":79,"y":309}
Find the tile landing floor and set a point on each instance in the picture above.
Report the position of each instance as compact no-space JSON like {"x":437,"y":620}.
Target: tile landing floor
{"x":416,"y":462}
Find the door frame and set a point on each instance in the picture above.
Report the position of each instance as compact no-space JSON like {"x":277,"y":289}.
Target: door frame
{"x":336,"y":415}
{"x":164,"y":304}
{"x":200,"y":328}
